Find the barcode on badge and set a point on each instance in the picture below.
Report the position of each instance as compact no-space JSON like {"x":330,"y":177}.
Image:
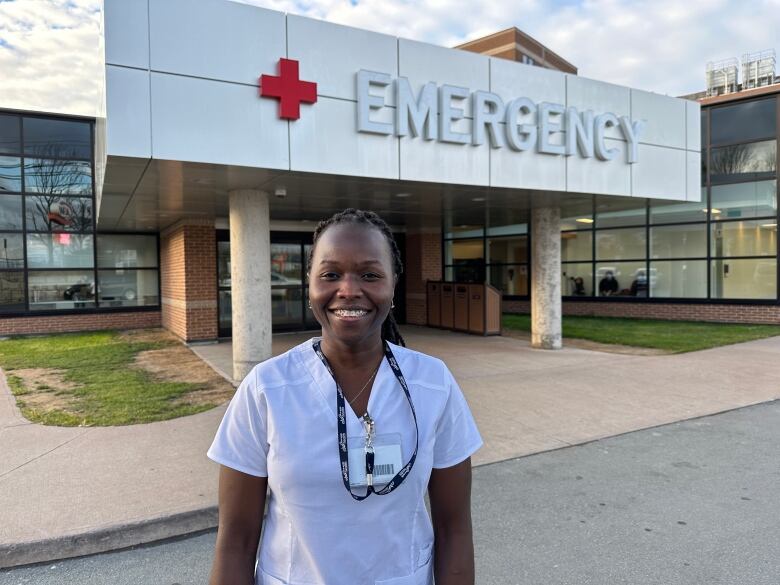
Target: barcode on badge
{"x":385,"y":469}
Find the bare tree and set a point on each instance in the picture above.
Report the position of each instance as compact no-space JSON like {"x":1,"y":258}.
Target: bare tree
{"x":51,"y":182}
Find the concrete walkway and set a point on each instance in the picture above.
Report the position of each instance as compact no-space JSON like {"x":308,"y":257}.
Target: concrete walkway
{"x":72,"y":491}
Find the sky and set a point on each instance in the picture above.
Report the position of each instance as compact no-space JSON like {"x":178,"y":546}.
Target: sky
{"x":50,"y":50}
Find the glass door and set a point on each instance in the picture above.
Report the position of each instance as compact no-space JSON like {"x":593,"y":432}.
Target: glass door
{"x":289,"y":290}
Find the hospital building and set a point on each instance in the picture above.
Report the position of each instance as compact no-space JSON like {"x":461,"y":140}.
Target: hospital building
{"x":229,"y":130}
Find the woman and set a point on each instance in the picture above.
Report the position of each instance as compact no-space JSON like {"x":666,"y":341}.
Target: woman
{"x":348,"y":431}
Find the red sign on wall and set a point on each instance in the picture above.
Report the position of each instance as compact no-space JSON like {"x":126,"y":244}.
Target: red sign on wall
{"x":288,"y":89}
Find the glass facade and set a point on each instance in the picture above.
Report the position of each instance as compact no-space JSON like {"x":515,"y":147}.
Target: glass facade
{"x":51,"y":258}
{"x":722,"y":248}
{"x":496,"y":252}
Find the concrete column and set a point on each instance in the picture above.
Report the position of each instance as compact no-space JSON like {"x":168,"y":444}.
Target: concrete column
{"x":546,"y":278}
{"x":250,"y":275}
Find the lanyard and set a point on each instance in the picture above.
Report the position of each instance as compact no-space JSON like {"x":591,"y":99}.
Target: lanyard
{"x":341,"y":419}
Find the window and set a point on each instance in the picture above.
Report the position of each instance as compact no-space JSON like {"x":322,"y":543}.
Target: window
{"x":678,"y":279}
{"x":744,"y":278}
{"x":678,"y":241}
{"x":55,"y":213}
{"x":10,"y":212}
{"x":620,"y":244}
{"x":11,"y":251}
{"x":577,"y":279}
{"x":10,"y":174}
{"x":10,"y":135}
{"x":758,"y":199}
{"x":744,"y":238}
{"x":576,"y":246}
{"x":46,"y":137}
{"x":127,"y":288}
{"x":61,"y":289}
{"x":744,"y":122}
{"x":60,"y":251}
{"x":11,"y":291}
{"x":621,"y":279}
{"x":508,"y":250}
{"x":468,"y":258}
{"x":57,"y":177}
{"x":126,"y":251}
{"x":579,"y":221}
{"x":621,"y":217}
{"x":754,"y":161}
{"x":510,"y":279}
{"x":666,"y":212}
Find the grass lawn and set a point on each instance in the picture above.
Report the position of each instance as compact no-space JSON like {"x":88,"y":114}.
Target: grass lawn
{"x":91,"y":379}
{"x":672,"y":336}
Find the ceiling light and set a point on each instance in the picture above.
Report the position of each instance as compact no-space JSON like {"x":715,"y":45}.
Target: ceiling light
{"x":769,"y":225}
{"x":584,"y":220}
{"x":478,"y":199}
{"x":714,"y":211}
{"x":403,"y":195}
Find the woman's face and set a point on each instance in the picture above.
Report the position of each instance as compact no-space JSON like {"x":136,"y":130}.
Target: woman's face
{"x":351,"y":282}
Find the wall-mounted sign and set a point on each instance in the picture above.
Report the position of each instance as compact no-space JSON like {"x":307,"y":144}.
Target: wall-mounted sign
{"x":519,"y":124}
{"x":288,"y":89}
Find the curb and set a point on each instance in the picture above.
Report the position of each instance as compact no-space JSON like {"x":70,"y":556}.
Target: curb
{"x":106,"y":539}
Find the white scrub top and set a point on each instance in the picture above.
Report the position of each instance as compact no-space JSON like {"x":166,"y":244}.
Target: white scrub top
{"x":281,"y":424}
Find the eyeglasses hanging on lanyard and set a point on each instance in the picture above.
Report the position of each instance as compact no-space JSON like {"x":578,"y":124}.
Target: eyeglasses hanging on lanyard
{"x":341,"y":419}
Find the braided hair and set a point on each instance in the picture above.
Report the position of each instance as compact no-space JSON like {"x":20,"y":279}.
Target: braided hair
{"x":390,"y":331}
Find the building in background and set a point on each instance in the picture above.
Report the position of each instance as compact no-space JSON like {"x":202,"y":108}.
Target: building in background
{"x":145,"y":239}
{"x":714,"y":260}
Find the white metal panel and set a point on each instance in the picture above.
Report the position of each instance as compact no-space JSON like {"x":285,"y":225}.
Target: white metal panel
{"x":665,"y":118}
{"x":601,"y":97}
{"x":127,"y":32}
{"x":128,"y":113}
{"x":591,"y":175}
{"x":338,"y":54}
{"x":527,"y":169}
{"x":428,"y":160}
{"x":216,"y":39}
{"x":325,"y":140}
{"x":511,"y":80}
{"x":693,"y":119}
{"x":421,"y":63}
{"x":200,"y":120}
{"x":693,"y":163}
{"x":660,"y":173}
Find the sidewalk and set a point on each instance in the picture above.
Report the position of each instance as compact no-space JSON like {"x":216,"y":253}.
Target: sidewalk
{"x":73,"y":491}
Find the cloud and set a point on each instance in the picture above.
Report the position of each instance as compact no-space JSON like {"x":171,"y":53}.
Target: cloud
{"x":656,"y":45}
{"x":50,"y":50}
{"x":50,"y":56}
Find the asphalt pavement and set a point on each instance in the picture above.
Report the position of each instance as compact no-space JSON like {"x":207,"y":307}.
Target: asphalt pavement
{"x":690,"y":503}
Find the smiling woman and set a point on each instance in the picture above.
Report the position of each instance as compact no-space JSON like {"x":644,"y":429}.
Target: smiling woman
{"x":402,"y":428}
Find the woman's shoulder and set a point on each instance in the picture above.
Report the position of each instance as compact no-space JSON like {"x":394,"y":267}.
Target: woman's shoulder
{"x":285,"y":369}
{"x":422,"y":368}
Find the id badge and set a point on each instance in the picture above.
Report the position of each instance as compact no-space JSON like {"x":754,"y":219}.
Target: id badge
{"x":387,"y":459}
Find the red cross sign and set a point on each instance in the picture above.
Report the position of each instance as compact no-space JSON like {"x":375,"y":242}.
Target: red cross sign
{"x":288,"y":89}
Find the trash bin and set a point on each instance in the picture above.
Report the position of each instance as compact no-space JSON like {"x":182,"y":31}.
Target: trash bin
{"x":447,"y":307}
{"x":434,"y":304}
{"x":461,"y":319}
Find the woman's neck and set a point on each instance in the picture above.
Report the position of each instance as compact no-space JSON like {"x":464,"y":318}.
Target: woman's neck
{"x":341,"y":355}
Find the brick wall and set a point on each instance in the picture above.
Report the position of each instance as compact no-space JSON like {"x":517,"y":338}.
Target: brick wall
{"x":75,"y":322}
{"x":188,"y":275}
{"x":766,"y":314}
{"x":423,"y":263}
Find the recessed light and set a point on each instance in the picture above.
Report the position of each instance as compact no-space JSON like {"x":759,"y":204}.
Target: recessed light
{"x":584,"y":220}
{"x":478,"y":199}
{"x":403,"y":195}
